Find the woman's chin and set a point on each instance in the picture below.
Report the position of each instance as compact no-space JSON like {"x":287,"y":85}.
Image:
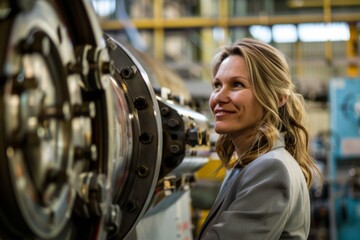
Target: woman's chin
{"x":221,"y":130}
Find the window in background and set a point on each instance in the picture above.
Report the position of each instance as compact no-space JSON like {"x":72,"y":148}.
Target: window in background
{"x":284,"y":33}
{"x":104,"y":8}
{"x":304,"y":32}
{"x":260,"y":32}
{"x":322,"y":32}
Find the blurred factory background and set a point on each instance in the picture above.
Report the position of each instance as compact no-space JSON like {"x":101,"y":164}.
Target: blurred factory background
{"x":321,"y":39}
{"x":105,"y":131}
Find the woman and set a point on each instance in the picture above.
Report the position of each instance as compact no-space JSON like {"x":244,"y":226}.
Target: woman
{"x":263,"y":141}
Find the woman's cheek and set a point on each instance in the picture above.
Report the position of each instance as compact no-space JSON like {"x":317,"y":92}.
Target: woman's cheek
{"x":212,"y":102}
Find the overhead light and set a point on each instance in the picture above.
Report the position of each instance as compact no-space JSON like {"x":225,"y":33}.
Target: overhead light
{"x":285,"y":33}
{"x":322,"y":32}
{"x":260,"y":32}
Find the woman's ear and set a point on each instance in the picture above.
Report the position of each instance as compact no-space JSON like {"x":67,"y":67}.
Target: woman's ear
{"x":283,"y":99}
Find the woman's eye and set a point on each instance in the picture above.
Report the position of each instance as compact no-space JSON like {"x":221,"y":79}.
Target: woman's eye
{"x":238,"y":84}
{"x":216,"y":85}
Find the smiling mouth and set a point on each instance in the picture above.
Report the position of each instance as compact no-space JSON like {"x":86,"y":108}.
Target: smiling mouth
{"x":222,"y":113}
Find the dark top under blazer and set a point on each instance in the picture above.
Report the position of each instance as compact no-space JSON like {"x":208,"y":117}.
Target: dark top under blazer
{"x":268,"y":199}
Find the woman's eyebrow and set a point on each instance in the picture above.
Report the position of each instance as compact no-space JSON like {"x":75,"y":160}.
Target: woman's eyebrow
{"x":243,"y":78}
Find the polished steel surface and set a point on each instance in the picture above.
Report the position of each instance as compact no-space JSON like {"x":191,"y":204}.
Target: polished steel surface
{"x":87,"y":139}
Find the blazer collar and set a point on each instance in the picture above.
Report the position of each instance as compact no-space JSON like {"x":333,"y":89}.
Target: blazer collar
{"x":280,"y":142}
{"x":220,"y":198}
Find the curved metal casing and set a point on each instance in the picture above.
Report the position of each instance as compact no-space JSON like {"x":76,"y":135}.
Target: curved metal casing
{"x":86,"y":138}
{"x":146,"y":123}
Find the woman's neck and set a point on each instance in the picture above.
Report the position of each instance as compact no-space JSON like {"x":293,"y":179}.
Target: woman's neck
{"x":242,"y":141}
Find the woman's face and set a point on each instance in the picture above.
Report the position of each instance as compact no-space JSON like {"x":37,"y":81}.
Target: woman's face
{"x":232,"y":101}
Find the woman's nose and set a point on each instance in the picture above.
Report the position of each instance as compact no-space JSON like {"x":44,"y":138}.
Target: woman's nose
{"x":222,"y":95}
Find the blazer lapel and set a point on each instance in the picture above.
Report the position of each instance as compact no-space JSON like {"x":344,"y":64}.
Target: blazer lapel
{"x":221,"y":196}
{"x":219,"y":200}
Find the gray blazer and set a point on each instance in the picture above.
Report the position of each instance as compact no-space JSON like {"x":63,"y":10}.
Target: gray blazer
{"x":268,"y":199}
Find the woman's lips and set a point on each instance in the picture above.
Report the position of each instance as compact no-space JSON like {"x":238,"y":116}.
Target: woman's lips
{"x":218,"y":113}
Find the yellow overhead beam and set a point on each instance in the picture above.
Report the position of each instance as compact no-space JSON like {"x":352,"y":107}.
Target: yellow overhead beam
{"x":320,"y":3}
{"x":199,"y":22}
{"x":158,"y":32}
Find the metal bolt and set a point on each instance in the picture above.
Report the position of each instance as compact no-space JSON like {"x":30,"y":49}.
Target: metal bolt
{"x":89,"y":152}
{"x":94,"y":193}
{"x":175,"y":149}
{"x":129,"y":206}
{"x":85,"y":109}
{"x":108,"y":67}
{"x":145,"y":138}
{"x":126,"y":72}
{"x":142,"y":171}
{"x":140,"y":103}
{"x":173,"y":123}
{"x":193,"y":137}
{"x":114,"y":218}
{"x":82,"y":67}
{"x":165,"y":111}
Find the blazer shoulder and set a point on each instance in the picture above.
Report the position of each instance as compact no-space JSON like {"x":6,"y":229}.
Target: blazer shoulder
{"x":276,"y":158}
{"x":275,"y":166}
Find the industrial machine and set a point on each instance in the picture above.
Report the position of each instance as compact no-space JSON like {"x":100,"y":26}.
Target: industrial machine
{"x":344,"y":159}
{"x":90,"y":140}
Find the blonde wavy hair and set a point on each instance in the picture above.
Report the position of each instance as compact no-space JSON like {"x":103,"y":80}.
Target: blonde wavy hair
{"x":283,"y":108}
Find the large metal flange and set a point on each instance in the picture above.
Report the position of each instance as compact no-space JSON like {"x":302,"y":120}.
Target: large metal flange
{"x":37,"y":123}
{"x":143,"y":171}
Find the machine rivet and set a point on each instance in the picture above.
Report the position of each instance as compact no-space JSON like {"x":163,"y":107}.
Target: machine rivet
{"x":145,"y":138}
{"x":114,"y":218}
{"x":126,"y":72}
{"x":89,"y":152}
{"x":142,"y":171}
{"x":140,"y":103}
{"x":81,"y":67}
{"x":175,"y":149}
{"x":173,"y":123}
{"x":86,"y":109}
{"x":193,"y":137}
{"x":130,"y":206}
{"x":165,"y":111}
{"x":108,"y":67}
